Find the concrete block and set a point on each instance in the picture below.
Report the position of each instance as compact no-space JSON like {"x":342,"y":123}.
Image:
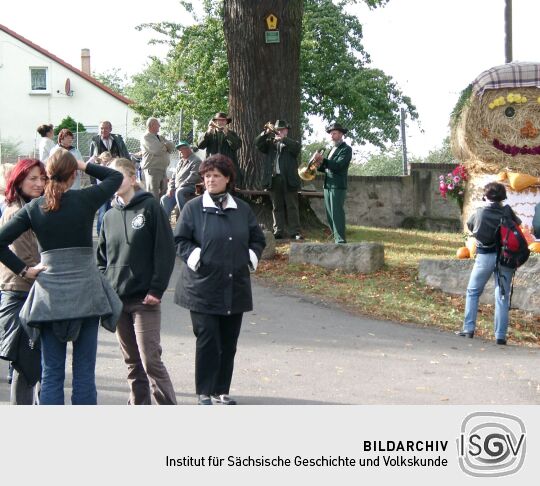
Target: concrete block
{"x":352,"y":257}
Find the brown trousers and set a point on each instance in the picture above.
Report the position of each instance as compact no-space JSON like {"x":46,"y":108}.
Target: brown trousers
{"x":138,"y":332}
{"x":155,"y":181}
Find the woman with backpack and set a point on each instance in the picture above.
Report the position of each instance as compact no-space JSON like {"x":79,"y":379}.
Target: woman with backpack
{"x":485,"y":227}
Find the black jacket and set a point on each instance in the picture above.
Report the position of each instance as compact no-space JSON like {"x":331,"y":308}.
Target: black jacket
{"x":118,"y":147}
{"x":136,"y":247}
{"x":221,"y":285}
{"x":484,"y":225}
{"x":288,"y":159}
{"x":216,"y":142}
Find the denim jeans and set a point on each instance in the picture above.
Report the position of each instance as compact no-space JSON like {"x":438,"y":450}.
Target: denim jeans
{"x":100,"y":215}
{"x":53,"y":359}
{"x":484,"y":267}
{"x":168,"y":203}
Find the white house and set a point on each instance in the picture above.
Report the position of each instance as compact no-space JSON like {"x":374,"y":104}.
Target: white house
{"x":38,"y":87}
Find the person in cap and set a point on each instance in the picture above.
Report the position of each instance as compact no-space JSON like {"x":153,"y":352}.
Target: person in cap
{"x":335,"y":168}
{"x":182,"y":185}
{"x":220,"y":139}
{"x":156,"y":150}
{"x":280,"y":176}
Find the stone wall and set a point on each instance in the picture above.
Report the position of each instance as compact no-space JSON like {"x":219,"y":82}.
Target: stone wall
{"x":452,"y":276}
{"x":398,"y":201}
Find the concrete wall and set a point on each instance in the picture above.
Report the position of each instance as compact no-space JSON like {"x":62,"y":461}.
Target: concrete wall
{"x":398,"y":201}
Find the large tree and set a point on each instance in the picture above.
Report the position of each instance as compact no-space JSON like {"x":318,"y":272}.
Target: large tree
{"x":319,"y":68}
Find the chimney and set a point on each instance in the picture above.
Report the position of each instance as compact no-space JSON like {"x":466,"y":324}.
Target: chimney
{"x":85,"y":61}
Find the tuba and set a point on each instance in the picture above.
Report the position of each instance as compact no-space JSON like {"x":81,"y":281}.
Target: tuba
{"x":309,"y":172}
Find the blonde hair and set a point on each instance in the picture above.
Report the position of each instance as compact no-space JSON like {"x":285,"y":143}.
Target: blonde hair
{"x":126,"y":167}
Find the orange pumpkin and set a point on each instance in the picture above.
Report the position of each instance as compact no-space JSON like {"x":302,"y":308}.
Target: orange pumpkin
{"x":463,"y":253}
{"x":471,"y":245}
{"x":535,"y":247}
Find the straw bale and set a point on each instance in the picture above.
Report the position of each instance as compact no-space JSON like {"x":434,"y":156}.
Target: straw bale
{"x":482,"y":134}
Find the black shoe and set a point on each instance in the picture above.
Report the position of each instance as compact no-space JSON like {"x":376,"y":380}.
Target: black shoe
{"x":469,"y":334}
{"x":278,"y":236}
{"x":502,"y":342}
{"x":297,"y":237}
{"x":223,"y":399}
{"x":205,"y":400}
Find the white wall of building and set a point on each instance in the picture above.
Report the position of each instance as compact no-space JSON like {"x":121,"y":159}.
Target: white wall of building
{"x":22,"y":111}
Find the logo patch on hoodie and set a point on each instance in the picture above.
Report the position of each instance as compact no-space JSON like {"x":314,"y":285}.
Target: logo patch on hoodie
{"x":138,"y":222}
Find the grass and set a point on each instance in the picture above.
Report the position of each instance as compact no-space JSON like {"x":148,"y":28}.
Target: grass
{"x":394,"y":293}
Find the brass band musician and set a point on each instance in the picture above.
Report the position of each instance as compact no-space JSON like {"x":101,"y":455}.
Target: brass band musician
{"x":280,"y":176}
{"x":220,"y":139}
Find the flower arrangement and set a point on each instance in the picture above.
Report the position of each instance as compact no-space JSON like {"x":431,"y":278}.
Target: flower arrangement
{"x":453,"y":184}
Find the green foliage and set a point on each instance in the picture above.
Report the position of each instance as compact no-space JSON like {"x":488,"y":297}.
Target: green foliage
{"x":309,"y":149}
{"x":114,"y":79}
{"x":386,"y":163}
{"x":441,"y":155}
{"x":9,"y":149}
{"x":70,"y":124}
{"x":463,"y":101}
{"x":336,"y":84}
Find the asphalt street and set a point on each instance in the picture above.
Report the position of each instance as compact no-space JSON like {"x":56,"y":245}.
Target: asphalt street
{"x":300,"y":351}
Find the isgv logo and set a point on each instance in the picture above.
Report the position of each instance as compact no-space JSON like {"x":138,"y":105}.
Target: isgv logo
{"x":491,"y":444}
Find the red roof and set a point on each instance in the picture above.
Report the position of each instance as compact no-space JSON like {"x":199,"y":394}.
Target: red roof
{"x":89,"y":78}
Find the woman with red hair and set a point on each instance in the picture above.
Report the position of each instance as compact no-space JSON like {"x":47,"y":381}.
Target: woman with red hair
{"x":26,"y":182}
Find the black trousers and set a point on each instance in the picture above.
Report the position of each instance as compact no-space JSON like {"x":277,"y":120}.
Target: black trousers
{"x":215,"y":350}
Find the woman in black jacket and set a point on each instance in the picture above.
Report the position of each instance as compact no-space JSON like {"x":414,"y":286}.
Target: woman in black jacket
{"x":136,"y":254}
{"x":69,"y":296}
{"x":220,"y":241}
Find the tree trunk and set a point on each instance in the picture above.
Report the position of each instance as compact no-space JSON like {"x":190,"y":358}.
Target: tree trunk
{"x":264,"y":78}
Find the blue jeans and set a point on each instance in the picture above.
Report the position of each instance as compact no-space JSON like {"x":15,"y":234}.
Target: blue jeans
{"x":100,"y":215}
{"x":168,"y":203}
{"x":53,"y":360}
{"x":484,"y":267}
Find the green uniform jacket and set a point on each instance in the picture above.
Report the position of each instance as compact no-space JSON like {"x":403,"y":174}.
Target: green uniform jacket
{"x":336,"y":167}
{"x":288,"y":160}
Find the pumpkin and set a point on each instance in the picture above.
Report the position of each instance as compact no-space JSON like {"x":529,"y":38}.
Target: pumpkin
{"x":471,"y":245}
{"x":535,"y":247}
{"x":463,"y":252}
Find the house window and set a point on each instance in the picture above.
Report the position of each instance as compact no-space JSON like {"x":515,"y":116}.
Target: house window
{"x":38,"y":79}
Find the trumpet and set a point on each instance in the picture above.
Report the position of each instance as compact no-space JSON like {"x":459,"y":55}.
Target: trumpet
{"x":309,"y":172}
{"x":271,"y":128}
{"x":214,"y":126}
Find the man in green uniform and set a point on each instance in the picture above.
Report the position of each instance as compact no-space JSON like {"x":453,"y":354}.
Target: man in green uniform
{"x":335,"y":168}
{"x":280,"y":177}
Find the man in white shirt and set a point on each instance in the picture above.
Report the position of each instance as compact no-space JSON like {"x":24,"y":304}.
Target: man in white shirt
{"x":108,"y":142}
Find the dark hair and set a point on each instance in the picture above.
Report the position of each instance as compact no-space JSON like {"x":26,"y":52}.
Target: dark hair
{"x":60,"y":167}
{"x":44,"y":129}
{"x":222,"y":164}
{"x":17,"y":176}
{"x":494,"y":192}
{"x":65,"y":132}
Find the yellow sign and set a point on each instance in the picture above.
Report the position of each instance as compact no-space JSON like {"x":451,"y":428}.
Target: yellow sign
{"x":271,"y":22}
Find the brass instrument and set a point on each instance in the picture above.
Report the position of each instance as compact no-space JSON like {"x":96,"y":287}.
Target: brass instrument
{"x":309,"y":172}
{"x":214,"y":126}
{"x":271,"y":128}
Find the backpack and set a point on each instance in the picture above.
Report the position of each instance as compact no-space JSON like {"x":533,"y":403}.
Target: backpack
{"x":513,"y":247}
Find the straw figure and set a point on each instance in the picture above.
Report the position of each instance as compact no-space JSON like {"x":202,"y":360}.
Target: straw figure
{"x":496,"y":135}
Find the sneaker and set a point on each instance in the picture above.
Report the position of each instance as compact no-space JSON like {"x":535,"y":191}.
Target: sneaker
{"x":502,"y":342}
{"x":297,"y":237}
{"x":205,"y":400}
{"x":224,"y":399}
{"x":468,"y":334}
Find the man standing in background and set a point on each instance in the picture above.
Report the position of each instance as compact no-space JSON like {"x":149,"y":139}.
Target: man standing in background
{"x":335,"y":169}
{"x":108,"y":142}
{"x":156,"y":151}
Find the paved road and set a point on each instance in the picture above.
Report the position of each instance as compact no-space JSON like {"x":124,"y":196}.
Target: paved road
{"x":294,"y":350}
